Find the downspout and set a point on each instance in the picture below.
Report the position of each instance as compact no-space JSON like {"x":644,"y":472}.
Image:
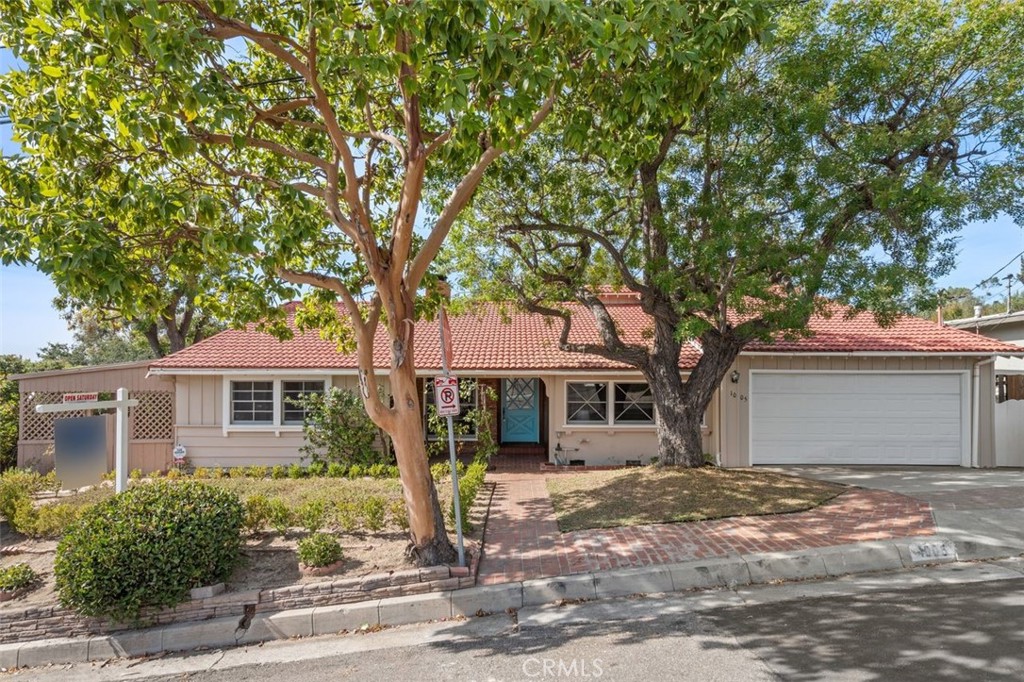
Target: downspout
{"x":976,"y":411}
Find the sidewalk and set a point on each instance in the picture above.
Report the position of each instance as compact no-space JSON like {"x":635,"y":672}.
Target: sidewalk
{"x":523,"y":541}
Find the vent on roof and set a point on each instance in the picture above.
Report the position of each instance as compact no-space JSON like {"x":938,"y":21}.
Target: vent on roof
{"x":617,"y":295}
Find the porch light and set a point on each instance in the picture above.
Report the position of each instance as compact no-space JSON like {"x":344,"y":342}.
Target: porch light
{"x":735,"y":376}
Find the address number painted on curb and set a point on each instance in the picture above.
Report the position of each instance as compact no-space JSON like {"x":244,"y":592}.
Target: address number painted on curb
{"x":931,"y":551}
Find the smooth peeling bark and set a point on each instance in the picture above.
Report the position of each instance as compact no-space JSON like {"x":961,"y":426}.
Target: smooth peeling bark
{"x":430,"y":544}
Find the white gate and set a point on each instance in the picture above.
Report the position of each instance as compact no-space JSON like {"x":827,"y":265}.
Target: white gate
{"x":1010,"y":433}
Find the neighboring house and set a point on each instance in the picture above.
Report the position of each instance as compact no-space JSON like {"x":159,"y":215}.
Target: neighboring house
{"x":915,"y":393}
{"x":1009,"y":376}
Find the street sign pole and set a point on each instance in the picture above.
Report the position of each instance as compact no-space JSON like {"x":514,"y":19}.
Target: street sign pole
{"x":451,"y":447}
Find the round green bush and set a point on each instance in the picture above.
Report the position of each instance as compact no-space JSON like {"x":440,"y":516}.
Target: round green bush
{"x":16,"y":576}
{"x":148,"y":546}
{"x":319,"y":549}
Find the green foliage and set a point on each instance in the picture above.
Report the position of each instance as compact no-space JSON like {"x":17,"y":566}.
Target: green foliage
{"x":9,"y":408}
{"x":346,"y":515}
{"x":278,"y":472}
{"x":355,"y":471}
{"x":256,"y":471}
{"x":469,"y":486}
{"x":238,"y":472}
{"x":280,"y":516}
{"x":312,"y":514}
{"x":257,"y":513}
{"x":319,"y":549}
{"x":296,"y":471}
{"x":135,"y":475}
{"x":17,"y":486}
{"x":148,"y":546}
{"x":16,"y":577}
{"x":400,"y":514}
{"x":337,"y":429}
{"x":336,"y":470}
{"x":201,"y":472}
{"x":317,"y":469}
{"x":374,"y":512}
{"x":442,"y":470}
{"x":217,"y":472}
{"x":174,"y":473}
{"x":47,"y":520}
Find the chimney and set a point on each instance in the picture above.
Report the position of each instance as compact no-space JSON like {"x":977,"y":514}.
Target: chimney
{"x":977,"y":311}
{"x":938,"y":314}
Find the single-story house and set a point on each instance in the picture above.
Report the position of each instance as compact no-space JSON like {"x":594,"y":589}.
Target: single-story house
{"x":852,"y":392}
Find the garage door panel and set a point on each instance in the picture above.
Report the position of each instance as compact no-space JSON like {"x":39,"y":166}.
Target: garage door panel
{"x":851,"y":418}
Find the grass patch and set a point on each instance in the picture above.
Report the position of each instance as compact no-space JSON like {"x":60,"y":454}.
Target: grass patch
{"x":632,"y":497}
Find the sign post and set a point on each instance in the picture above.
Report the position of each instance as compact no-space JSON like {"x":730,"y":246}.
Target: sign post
{"x":446,"y":400}
{"x":89,"y":401}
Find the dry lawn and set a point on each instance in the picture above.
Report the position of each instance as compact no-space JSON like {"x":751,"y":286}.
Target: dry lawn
{"x":631,"y":497}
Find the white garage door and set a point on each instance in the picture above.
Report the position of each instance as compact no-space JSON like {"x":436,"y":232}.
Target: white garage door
{"x":854,"y":418}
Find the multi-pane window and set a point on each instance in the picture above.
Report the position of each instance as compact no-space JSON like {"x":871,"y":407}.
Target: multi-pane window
{"x":634,"y":404}
{"x":586,"y":402}
{"x":252,"y":402}
{"x":464,"y":426}
{"x":293,"y":409}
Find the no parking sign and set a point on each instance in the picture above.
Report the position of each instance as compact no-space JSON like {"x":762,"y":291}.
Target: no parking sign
{"x":446,"y":396}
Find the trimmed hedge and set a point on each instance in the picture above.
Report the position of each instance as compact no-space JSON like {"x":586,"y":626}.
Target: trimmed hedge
{"x":148,"y":546}
{"x":319,"y":549}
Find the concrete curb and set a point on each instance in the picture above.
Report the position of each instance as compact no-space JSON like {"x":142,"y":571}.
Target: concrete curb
{"x":728,"y":572}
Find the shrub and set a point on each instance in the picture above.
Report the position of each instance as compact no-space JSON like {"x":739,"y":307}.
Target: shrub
{"x":377,"y":470}
{"x":336,"y":470}
{"x":238,"y":472}
{"x":319,"y":549}
{"x":280,"y":516}
{"x":442,"y":470}
{"x":174,"y":473}
{"x":469,"y":485}
{"x":400,"y":514}
{"x":49,"y":520}
{"x":296,"y":471}
{"x":317,"y":469}
{"x":156,"y":474}
{"x":337,"y":429}
{"x":346,"y":515}
{"x":256,"y":472}
{"x":16,"y":576}
{"x":135,"y":474}
{"x":374,"y":509}
{"x":278,"y":472}
{"x":216,"y":472}
{"x":312,"y":515}
{"x":148,"y":546}
{"x":393,"y":471}
{"x":201,"y":472}
{"x":257,"y":513}
{"x":355,"y":471}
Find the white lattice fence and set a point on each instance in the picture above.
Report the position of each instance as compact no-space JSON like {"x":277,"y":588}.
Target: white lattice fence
{"x":153,"y":419}
{"x":39,"y":427}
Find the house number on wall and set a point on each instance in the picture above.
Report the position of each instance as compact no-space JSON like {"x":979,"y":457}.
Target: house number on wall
{"x":742,"y":396}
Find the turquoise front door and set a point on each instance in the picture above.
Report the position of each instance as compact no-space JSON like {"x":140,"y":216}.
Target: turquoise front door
{"x":520,"y":411}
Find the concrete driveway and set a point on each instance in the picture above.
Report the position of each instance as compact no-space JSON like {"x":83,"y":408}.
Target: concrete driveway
{"x":982,"y":510}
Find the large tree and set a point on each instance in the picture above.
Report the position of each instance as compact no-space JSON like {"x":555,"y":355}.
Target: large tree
{"x":838,"y":160}
{"x":308,"y":134}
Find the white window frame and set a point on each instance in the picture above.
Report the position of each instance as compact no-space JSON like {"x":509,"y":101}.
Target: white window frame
{"x":429,"y":390}
{"x":277,"y":427}
{"x":610,"y":422}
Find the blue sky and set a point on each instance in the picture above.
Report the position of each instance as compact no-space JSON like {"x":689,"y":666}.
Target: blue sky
{"x":28,"y":320}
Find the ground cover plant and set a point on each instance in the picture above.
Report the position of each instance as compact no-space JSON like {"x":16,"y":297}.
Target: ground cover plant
{"x":636,"y":496}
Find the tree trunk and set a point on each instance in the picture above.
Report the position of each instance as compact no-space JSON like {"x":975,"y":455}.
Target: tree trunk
{"x":430,"y":544}
{"x":681,"y":404}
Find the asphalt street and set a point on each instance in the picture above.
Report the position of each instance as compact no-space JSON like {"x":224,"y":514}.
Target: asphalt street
{"x":908,"y":626}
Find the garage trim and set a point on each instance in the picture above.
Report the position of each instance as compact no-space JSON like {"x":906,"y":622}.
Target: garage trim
{"x":966,"y":401}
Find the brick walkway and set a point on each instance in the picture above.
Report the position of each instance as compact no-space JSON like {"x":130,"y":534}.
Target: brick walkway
{"x":523,"y":541}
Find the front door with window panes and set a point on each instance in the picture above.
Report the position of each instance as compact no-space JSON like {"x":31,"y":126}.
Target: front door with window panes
{"x":520,"y":410}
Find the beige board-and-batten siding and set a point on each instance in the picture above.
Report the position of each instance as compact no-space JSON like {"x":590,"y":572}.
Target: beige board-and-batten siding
{"x":201,"y":424}
{"x":733,"y":441}
{"x":150,"y":425}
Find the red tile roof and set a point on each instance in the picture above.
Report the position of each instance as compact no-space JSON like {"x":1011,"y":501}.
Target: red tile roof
{"x":487,"y":339}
